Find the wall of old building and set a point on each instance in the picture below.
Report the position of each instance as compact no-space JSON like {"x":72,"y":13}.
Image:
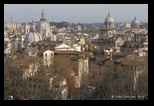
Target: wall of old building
{"x":48,"y":57}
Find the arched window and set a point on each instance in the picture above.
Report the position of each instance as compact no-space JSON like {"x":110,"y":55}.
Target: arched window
{"x":45,"y":54}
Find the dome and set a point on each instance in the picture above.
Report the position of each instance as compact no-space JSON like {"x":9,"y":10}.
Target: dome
{"x":43,"y":23}
{"x":33,"y":37}
{"x":135,"y":21}
{"x":109,"y":18}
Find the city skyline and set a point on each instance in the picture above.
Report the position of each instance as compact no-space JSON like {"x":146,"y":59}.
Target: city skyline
{"x":82,"y":13}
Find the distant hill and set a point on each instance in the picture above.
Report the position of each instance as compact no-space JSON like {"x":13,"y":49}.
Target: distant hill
{"x":99,"y":25}
{"x":145,"y":25}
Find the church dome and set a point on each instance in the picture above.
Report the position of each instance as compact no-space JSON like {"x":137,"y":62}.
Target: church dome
{"x":109,"y":19}
{"x":135,"y":21}
{"x":33,"y":36}
{"x":43,"y":23}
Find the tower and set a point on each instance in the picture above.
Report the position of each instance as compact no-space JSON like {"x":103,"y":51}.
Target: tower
{"x":26,"y":29}
{"x":109,"y":22}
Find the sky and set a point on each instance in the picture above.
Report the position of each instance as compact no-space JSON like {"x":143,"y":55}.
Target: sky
{"x":82,"y":13}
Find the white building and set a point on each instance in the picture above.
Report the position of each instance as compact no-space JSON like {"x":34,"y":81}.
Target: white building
{"x":79,"y":28}
{"x":16,"y":43}
{"x":48,"y":57}
{"x":52,"y":38}
{"x":31,"y":71}
{"x":83,"y":69}
{"x":64,"y":90}
{"x":64,"y":47}
{"x":12,"y":25}
{"x":77,"y":47}
{"x":118,"y":43}
{"x":7,"y":51}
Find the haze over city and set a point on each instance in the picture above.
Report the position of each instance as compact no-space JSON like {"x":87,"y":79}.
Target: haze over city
{"x":83,"y":13}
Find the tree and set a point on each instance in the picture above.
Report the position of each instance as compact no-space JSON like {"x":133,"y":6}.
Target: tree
{"x":119,"y":79}
{"x":14,"y":67}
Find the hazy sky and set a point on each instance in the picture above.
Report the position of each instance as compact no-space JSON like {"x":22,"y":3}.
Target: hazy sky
{"x":83,"y":13}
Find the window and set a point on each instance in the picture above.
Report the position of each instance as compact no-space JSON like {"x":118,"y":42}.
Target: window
{"x":30,"y":85}
{"x":45,"y":54}
{"x":51,"y":54}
